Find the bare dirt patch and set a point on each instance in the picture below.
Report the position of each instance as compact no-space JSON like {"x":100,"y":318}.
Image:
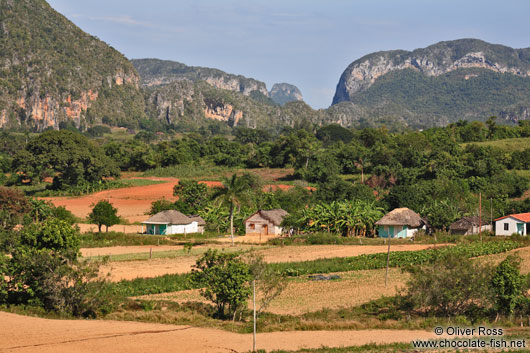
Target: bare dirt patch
{"x":29,"y":334}
{"x":183,"y":264}
{"x":303,"y":295}
{"x":132,"y":203}
{"x":119,"y":250}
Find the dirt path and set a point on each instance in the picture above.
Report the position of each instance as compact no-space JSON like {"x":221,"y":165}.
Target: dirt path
{"x":119,"y":250}
{"x":183,"y":264}
{"x":28,"y":334}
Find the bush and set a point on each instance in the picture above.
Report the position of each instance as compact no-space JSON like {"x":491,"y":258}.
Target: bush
{"x":451,"y":286}
{"x":48,"y":279}
{"x":507,"y":285}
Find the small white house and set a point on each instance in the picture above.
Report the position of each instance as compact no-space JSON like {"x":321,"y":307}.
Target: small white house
{"x":265,"y":222}
{"x":514,"y":223}
{"x":174,"y":222}
{"x":400,"y":223}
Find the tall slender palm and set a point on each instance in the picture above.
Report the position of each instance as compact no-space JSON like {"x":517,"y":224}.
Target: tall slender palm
{"x":235,"y":191}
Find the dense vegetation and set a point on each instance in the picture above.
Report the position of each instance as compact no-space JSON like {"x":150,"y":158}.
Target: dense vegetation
{"x":438,"y":172}
{"x":39,"y":263}
{"x":419,"y":100}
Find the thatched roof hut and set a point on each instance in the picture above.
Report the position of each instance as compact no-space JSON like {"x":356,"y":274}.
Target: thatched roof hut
{"x":465,"y":223}
{"x":275,"y":216}
{"x":174,"y":222}
{"x":265,"y":222}
{"x":401,"y":217}
{"x":169,"y":217}
{"x":469,"y":225}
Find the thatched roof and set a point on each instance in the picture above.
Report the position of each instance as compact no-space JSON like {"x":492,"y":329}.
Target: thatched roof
{"x":465,"y":223}
{"x":401,"y":217}
{"x":275,"y":216}
{"x":198,"y":218}
{"x":172,"y":217}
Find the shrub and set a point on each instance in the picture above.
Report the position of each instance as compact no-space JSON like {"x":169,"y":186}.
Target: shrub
{"x":48,"y":279}
{"x":451,"y":286}
{"x":507,"y":285}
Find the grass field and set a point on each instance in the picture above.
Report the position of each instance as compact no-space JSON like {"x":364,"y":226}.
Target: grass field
{"x":513,"y":144}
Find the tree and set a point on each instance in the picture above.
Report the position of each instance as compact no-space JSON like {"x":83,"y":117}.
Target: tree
{"x":52,"y":234}
{"x":192,"y":193}
{"x":225,"y":280}
{"x":74,"y":159}
{"x":103,"y":213}
{"x":235,"y":191}
{"x":13,"y":207}
{"x":161,"y":205}
{"x":269,"y":283}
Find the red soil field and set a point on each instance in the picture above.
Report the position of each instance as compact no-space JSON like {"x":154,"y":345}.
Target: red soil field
{"x":134,"y":202}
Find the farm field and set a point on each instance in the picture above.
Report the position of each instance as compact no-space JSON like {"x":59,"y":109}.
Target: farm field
{"x":29,"y":334}
{"x":523,"y":253}
{"x":182,"y":262}
{"x":134,"y":202}
{"x":304,"y":295}
{"x":511,"y":144}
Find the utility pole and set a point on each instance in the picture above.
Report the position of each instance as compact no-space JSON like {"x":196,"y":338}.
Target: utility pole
{"x":491,"y":214}
{"x":254,"y":310}
{"x":480,"y":214}
{"x":387,"y":260}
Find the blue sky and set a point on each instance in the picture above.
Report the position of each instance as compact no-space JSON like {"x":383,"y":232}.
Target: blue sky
{"x":308,"y":43}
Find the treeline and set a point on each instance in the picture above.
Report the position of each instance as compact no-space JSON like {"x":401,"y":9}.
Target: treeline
{"x":431,"y":171}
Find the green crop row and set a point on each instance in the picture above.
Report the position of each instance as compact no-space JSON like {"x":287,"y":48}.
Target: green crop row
{"x":397,"y":259}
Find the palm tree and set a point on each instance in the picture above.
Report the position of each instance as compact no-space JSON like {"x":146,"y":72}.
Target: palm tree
{"x":235,"y":191}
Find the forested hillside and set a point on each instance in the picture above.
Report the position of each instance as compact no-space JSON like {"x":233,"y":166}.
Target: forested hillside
{"x":51,"y":72}
{"x":445,"y":82}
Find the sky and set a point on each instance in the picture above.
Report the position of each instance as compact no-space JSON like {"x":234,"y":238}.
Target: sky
{"x":308,"y":43}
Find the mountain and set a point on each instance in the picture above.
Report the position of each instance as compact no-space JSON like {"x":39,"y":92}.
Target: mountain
{"x":53,"y":72}
{"x":445,"y":82}
{"x":155,"y":72}
{"x":283,"y":93}
{"x":191,"y":96}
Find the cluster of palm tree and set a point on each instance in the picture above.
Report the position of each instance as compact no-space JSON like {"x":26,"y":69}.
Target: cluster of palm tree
{"x":351,"y":218}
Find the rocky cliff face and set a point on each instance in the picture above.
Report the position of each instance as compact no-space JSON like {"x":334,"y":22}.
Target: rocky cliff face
{"x":435,"y":60}
{"x":51,"y":71}
{"x":155,"y":72}
{"x":283,"y":93}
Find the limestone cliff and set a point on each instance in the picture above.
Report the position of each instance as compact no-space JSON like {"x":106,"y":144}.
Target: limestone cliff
{"x":155,"y":72}
{"x":449,"y":81}
{"x":283,"y":93}
{"x":435,"y":60}
{"x":52,"y":72}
